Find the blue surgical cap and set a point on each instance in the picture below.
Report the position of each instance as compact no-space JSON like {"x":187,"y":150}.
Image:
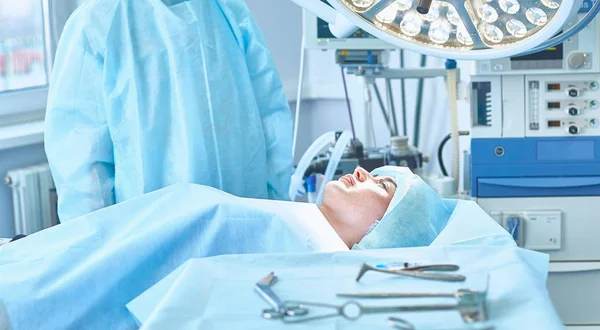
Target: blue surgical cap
{"x":415,"y":216}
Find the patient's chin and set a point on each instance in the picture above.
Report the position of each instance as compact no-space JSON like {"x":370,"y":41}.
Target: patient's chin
{"x":331,"y":193}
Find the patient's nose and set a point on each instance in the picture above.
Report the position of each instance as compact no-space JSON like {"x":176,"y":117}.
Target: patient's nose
{"x":361,"y":174}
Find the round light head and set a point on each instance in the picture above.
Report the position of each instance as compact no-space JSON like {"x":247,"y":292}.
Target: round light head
{"x":461,"y":29}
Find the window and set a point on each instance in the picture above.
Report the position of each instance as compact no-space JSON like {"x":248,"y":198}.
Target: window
{"x":22,"y":45}
{"x":29,"y":30}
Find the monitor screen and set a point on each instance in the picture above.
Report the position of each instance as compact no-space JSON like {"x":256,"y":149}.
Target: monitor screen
{"x":323,"y":31}
{"x":552,"y":53}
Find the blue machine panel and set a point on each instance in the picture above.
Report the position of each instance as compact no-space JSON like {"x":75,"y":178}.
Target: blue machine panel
{"x":566,"y":150}
{"x":542,"y":186}
{"x":535,"y":167}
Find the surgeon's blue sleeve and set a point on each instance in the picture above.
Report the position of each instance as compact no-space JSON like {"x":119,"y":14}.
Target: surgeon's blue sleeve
{"x":273,"y":106}
{"x":77,"y":139}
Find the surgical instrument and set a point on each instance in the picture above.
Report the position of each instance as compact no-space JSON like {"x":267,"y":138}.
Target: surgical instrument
{"x":470,"y":304}
{"x":418,"y":272}
{"x":280,"y":309}
{"x":401,"y":324}
{"x":390,"y":295}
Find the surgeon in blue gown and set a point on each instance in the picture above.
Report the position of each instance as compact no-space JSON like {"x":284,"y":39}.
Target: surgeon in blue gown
{"x":145,"y":94}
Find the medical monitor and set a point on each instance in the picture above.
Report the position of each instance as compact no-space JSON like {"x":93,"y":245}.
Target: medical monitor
{"x":318,"y":36}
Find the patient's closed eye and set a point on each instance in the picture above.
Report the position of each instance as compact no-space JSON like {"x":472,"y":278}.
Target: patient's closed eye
{"x":386,"y":182}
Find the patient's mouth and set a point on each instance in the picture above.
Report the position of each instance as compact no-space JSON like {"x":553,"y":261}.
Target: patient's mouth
{"x":348,"y":180}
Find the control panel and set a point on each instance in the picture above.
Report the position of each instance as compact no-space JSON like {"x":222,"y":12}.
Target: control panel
{"x":519,"y":106}
{"x":562,"y":105}
{"x":580,"y":53}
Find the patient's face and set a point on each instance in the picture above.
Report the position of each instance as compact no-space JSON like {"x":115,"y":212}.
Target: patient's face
{"x":354,"y":202}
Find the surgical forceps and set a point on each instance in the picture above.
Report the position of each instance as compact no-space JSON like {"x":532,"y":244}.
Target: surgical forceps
{"x":422,"y":272}
{"x":470,"y":304}
{"x":280,"y":310}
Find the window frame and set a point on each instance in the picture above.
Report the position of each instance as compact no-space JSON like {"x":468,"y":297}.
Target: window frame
{"x":29,"y":103}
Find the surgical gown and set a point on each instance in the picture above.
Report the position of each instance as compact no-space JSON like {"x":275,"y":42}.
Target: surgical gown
{"x":145,"y":94}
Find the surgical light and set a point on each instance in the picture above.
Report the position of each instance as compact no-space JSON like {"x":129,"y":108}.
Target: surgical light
{"x":550,"y":4}
{"x":439,"y":31}
{"x":434,"y":12}
{"x":404,"y":4}
{"x":516,"y":28}
{"x":411,"y":24}
{"x":388,"y":15}
{"x":476,"y":29}
{"x":493,"y":33}
{"x":463,"y":36}
{"x":363,"y":4}
{"x":536,"y":16}
{"x":510,"y":7}
{"x":452,"y":15}
{"x":487,"y":13}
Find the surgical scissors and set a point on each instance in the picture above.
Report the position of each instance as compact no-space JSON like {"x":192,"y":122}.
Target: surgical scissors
{"x":280,"y":309}
{"x":423,"y":272}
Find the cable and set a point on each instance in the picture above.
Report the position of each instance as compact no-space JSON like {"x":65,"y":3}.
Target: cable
{"x":439,"y":153}
{"x":403,"y":94}
{"x":383,"y":110}
{"x":441,"y":150}
{"x":392,"y":107}
{"x":419,"y":105}
{"x":348,"y":104}
{"x":369,"y":124}
{"x":299,"y":94}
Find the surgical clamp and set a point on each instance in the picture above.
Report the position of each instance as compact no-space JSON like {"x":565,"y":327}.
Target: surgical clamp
{"x":418,"y":272}
{"x":280,"y":309}
{"x":470,"y":304}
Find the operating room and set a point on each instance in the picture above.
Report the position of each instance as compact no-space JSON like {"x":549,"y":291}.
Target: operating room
{"x":302,"y":164}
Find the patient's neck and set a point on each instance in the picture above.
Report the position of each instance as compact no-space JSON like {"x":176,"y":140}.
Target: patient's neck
{"x":338,"y":225}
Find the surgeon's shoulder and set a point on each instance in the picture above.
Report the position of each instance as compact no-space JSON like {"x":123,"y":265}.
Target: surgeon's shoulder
{"x":236,"y":5}
{"x":236,"y":9}
{"x":90,"y":23}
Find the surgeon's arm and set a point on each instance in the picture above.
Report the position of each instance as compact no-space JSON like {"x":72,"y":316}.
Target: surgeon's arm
{"x":77,"y":138}
{"x":273,"y":106}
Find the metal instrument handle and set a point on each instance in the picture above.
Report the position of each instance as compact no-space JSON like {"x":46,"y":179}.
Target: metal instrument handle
{"x":428,"y":276}
{"x":416,"y":308}
{"x":270,"y":296}
{"x":396,"y":295}
{"x":441,"y":268}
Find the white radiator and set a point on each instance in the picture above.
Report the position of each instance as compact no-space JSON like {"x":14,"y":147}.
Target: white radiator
{"x":34,"y":198}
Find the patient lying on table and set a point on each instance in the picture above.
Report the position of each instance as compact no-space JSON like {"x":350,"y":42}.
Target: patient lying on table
{"x":94,"y":265}
{"x":391,"y":207}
